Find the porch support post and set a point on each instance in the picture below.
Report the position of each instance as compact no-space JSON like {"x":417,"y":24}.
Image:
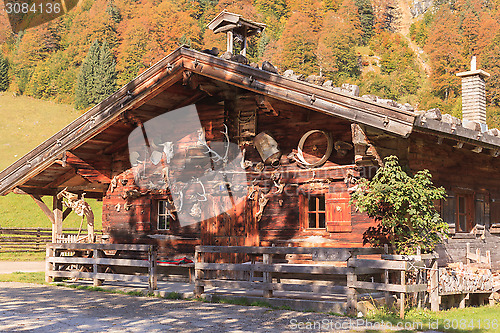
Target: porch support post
{"x":57,"y":207}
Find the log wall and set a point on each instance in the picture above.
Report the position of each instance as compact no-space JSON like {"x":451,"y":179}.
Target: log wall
{"x":281,"y":221}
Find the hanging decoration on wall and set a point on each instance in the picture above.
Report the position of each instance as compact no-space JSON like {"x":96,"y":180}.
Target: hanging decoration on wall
{"x":268,"y":149}
{"x":329,"y":148}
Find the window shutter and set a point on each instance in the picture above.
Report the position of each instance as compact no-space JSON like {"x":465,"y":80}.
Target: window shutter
{"x":338,"y":212}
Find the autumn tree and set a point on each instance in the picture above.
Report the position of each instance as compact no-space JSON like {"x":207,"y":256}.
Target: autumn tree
{"x":298,"y":45}
{"x":444,"y":47}
{"x":336,"y":53}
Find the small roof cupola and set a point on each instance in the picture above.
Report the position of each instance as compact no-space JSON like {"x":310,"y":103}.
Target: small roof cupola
{"x":236,"y":27}
{"x":474,"y":94}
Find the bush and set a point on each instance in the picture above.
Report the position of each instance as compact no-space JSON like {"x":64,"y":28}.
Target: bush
{"x":403,"y":205}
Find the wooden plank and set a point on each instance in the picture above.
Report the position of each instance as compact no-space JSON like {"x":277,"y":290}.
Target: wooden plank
{"x":434,"y":287}
{"x":420,"y":257}
{"x":379,"y":286}
{"x":266,"y":276}
{"x":275,"y":268}
{"x":100,"y":276}
{"x":99,"y":261}
{"x":310,"y":288}
{"x":380,"y":264}
{"x":315,"y":251}
{"x":57,"y":206}
{"x":92,"y":246}
{"x":416,"y":288}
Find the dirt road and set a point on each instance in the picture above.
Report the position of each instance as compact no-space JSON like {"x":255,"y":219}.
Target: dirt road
{"x":21,"y":266}
{"x":39,"y":308}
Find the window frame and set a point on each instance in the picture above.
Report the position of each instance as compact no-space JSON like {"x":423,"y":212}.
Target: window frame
{"x":317,"y":211}
{"x":168,"y":219}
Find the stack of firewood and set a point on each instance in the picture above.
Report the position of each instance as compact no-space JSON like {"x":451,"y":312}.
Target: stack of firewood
{"x":460,"y":278}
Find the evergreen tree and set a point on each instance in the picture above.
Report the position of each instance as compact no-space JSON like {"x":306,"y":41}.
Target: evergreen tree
{"x":106,"y":73}
{"x":366,"y":17}
{"x":4,"y":73}
{"x":97,"y":76}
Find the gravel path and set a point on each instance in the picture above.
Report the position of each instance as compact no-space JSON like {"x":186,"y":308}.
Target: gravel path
{"x":21,"y":266}
{"x":40,"y":308}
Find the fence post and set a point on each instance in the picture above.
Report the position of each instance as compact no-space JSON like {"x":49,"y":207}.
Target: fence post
{"x":467,"y":260}
{"x":198,"y":273}
{"x":434,"y":286}
{"x":352,"y":298}
{"x":96,"y":256}
{"x":153,"y":277}
{"x":402,"y":295}
{"x":48,"y":265}
{"x":388,"y":298}
{"x":37,"y":244}
{"x":266,"y":276}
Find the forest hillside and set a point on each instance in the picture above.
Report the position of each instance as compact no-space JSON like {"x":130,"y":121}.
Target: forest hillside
{"x":406,"y":50}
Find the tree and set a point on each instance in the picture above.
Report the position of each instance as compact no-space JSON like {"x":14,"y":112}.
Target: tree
{"x":298,"y":45}
{"x":106,"y":73}
{"x":403,"y":205}
{"x":366,"y":18}
{"x":336,"y":48}
{"x":4,"y":73}
{"x":97,"y":77}
{"x":444,"y":47}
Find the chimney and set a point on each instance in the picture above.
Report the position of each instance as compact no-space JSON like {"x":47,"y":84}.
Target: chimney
{"x":474,"y":94}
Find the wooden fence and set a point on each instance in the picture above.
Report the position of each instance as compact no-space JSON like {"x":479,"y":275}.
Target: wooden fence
{"x":327,"y":265}
{"x":100,"y":261}
{"x":32,"y":239}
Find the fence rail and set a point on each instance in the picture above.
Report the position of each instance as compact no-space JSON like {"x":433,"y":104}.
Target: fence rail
{"x":327,"y":265}
{"x":91,"y":261}
{"x":32,"y":239}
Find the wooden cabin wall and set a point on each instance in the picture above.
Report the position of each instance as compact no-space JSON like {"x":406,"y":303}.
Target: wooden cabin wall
{"x":282,"y":222}
{"x":460,"y":170}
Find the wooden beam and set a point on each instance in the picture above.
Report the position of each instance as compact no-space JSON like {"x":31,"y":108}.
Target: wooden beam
{"x":90,"y":170}
{"x":61,"y":179}
{"x":57,"y":207}
{"x":66,"y":212}
{"x":46,"y":210}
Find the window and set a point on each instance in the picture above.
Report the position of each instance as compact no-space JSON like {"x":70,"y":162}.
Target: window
{"x":316,"y":212}
{"x":165,"y":215}
{"x":464,"y":209}
{"x":329,"y":212}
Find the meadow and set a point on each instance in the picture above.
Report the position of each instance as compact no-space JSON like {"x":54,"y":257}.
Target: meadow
{"x":27,"y":122}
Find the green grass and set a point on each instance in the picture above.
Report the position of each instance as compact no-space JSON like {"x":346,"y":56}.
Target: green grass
{"x":36,"y":277}
{"x":22,"y":256}
{"x":27,"y":122}
{"x":471,"y":319}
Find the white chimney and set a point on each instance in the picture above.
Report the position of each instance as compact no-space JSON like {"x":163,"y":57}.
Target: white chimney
{"x":474,"y":93}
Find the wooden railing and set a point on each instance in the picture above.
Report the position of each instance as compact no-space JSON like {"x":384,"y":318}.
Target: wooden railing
{"x":326,"y":266}
{"x":33,"y":239}
{"x":99,"y":262}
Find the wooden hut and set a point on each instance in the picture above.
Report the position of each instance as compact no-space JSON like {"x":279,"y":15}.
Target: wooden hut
{"x":326,"y":138}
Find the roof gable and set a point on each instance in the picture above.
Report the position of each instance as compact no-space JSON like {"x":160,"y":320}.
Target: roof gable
{"x":170,"y":70}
